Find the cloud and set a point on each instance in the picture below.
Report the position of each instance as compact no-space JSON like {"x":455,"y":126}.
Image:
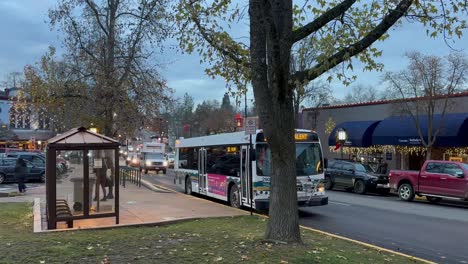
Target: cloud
{"x":199,"y":89}
{"x":25,"y":34}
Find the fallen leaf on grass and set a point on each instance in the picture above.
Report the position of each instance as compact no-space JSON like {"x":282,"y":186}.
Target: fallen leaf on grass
{"x":243,"y":257}
{"x":284,"y":262}
{"x":89,"y":248}
{"x":218,"y":259}
{"x":42,"y":261}
{"x":341,"y":257}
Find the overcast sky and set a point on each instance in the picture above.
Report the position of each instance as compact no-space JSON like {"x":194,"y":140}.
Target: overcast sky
{"x":26,"y":36}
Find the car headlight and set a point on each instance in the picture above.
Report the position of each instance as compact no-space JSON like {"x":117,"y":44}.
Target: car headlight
{"x":321,"y":189}
{"x":148,"y":163}
{"x":128,"y":159}
{"x":135,"y":161}
{"x":164,"y":163}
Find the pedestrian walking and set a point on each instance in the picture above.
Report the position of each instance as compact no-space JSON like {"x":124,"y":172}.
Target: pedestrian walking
{"x":20,"y":173}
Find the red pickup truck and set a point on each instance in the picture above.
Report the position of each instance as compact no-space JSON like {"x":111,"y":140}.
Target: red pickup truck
{"x":437,"y":180}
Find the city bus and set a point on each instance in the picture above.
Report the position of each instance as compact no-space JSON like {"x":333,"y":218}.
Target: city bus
{"x":218,"y":166}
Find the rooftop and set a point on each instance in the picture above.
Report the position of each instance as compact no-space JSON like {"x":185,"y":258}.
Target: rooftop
{"x":461,"y":94}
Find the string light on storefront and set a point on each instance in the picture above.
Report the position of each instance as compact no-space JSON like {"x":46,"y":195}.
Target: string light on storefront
{"x":462,"y":151}
{"x":368,"y":150}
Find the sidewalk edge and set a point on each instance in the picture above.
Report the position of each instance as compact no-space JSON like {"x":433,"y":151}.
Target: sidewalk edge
{"x":155,"y":187}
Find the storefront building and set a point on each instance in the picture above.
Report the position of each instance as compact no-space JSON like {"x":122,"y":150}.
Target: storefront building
{"x":382,"y":132}
{"x":21,"y":127}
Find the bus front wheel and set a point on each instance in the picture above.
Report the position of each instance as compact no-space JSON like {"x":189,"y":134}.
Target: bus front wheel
{"x":234,"y":197}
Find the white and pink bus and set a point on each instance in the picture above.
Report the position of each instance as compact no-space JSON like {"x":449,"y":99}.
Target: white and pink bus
{"x":218,"y":166}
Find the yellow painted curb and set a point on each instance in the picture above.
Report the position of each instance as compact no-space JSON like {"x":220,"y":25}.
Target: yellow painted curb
{"x":362,"y":243}
{"x":369,"y":245}
{"x":419,"y":198}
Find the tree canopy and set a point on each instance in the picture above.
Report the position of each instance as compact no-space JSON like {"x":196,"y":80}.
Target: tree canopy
{"x":340,"y":32}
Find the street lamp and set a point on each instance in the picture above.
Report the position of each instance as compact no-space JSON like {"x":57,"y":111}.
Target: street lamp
{"x":342,"y":136}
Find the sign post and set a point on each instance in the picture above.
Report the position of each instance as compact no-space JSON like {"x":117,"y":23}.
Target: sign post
{"x":250,"y":128}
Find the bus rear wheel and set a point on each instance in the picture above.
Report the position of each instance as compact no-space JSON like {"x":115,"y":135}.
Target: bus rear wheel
{"x":234,"y":197}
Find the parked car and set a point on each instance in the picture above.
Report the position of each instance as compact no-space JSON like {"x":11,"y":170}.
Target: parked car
{"x":355,"y":176}
{"x":170,"y":159}
{"x":39,"y":159}
{"x":35,"y":158}
{"x":436,"y":180}
{"x":7,"y":171}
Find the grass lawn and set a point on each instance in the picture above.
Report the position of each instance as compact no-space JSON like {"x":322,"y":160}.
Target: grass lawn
{"x":225,"y":240}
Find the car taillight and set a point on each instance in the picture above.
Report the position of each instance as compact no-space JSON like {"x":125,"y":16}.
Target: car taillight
{"x":390,"y":175}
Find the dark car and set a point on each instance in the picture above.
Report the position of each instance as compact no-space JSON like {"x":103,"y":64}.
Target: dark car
{"x":355,"y":176}
{"x":35,"y":158}
{"x":7,"y":171}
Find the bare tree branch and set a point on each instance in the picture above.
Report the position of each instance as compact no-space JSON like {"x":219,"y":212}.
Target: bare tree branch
{"x":322,"y":20}
{"x":93,"y":7}
{"x":356,"y":48}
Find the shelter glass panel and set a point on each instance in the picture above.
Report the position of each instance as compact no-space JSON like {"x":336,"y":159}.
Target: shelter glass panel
{"x":101,"y":180}
{"x":70,"y":183}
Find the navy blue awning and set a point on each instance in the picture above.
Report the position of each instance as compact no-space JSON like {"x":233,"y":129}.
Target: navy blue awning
{"x":359,"y":133}
{"x":401,"y":130}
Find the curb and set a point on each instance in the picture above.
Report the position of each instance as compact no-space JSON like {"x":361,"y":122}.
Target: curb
{"x":413,"y":258}
{"x":154,"y":187}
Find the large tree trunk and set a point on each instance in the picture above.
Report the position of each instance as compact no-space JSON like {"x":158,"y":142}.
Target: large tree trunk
{"x":270,"y":47}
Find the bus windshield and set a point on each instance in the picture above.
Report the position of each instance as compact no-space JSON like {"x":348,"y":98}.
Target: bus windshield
{"x":308,"y":159}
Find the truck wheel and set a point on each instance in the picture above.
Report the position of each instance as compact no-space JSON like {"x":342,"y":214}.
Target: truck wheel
{"x":234,"y":197}
{"x":188,"y":186}
{"x":43,"y":178}
{"x":406,"y":192}
{"x":164,"y":172}
{"x":328,"y":183}
{"x":2,"y":178}
{"x":146,"y":171}
{"x":433,"y":199}
{"x":359,"y":187}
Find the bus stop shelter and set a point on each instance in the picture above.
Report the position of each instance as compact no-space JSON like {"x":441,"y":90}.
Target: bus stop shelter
{"x":88,"y":188}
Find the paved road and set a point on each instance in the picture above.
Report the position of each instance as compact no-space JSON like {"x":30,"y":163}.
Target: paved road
{"x":435,"y":232}
{"x":162,"y":179}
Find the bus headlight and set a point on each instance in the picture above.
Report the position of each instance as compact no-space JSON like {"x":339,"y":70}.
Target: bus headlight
{"x":148,"y":163}
{"x":165,"y":163}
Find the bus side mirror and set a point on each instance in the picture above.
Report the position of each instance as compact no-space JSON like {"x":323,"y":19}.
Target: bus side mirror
{"x":252,"y":155}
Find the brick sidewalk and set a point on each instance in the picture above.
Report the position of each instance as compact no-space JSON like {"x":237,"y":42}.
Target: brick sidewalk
{"x":140,"y":206}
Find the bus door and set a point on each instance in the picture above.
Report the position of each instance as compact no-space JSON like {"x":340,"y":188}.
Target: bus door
{"x":202,"y":176}
{"x":245,"y":176}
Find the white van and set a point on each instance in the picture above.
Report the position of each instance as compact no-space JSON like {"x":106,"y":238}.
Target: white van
{"x":153,"y":157}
